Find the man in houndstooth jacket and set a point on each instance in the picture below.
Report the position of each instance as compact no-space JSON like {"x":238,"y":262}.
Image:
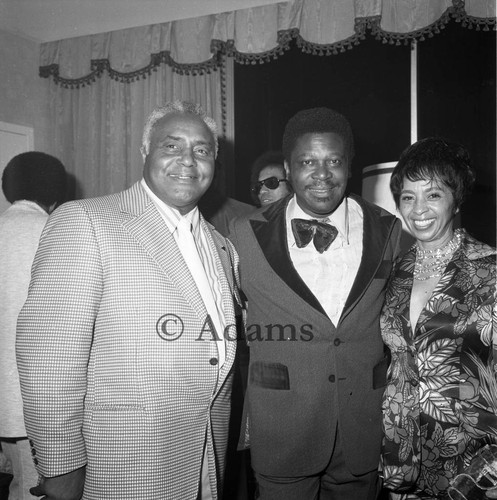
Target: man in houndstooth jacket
{"x":125,"y":368}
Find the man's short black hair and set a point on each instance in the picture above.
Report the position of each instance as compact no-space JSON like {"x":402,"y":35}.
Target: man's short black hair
{"x":317,"y":120}
{"x":35,"y":176}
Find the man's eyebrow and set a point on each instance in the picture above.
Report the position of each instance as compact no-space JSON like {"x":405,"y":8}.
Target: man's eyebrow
{"x":203,"y":143}
{"x":175,"y":138}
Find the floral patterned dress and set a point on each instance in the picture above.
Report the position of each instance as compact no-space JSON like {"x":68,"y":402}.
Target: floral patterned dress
{"x":440,"y":402}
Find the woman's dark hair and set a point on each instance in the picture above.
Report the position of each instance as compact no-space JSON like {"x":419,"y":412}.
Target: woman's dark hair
{"x":435,"y":158}
{"x":35,"y":176}
{"x":261,"y":162}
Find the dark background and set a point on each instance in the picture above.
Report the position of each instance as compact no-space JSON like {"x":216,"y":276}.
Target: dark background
{"x":370,"y":85}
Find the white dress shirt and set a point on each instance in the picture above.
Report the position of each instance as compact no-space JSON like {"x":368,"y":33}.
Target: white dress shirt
{"x":206,"y":276}
{"x":329,"y":275}
{"x":207,"y":280}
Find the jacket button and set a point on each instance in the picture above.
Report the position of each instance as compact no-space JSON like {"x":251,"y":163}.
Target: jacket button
{"x":35,"y":461}
{"x":337,"y":342}
{"x":331,"y":378}
{"x":213,"y":361}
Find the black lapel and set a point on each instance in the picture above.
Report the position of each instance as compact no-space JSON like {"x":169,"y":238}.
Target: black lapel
{"x":271,"y":236}
{"x":376,"y":233}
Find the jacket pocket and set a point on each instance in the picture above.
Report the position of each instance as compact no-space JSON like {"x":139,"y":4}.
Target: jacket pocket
{"x":269,"y":375}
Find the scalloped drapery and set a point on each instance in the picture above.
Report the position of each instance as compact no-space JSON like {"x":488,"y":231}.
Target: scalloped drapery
{"x":259,"y":34}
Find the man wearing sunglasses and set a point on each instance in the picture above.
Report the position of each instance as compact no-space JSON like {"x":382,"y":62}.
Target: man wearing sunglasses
{"x":314,"y":267}
{"x":268,"y":178}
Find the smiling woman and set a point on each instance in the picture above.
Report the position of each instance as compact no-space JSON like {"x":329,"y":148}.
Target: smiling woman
{"x":428,"y":209}
{"x":440,"y":404}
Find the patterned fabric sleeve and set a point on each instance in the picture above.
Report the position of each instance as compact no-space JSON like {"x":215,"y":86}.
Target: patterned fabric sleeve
{"x":54,"y":337}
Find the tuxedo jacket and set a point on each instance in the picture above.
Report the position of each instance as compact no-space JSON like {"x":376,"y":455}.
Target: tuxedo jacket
{"x":309,"y":378}
{"x":118,"y":369}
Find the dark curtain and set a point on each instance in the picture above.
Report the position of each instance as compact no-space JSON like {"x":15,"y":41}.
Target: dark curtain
{"x":370,"y":85}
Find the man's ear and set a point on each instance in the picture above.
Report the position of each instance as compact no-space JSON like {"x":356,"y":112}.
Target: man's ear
{"x":287,"y":169}
{"x":143,"y":152}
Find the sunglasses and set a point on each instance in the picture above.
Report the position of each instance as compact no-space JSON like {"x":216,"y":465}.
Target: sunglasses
{"x":270,"y":183}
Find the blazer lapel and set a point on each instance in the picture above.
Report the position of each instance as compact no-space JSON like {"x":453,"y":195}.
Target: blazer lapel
{"x":270,"y":232}
{"x":439,"y":302}
{"x":446,"y":297}
{"x":228,"y":287}
{"x":374,"y":242}
{"x":226,"y":254}
{"x":401,"y":287}
{"x":146,"y":225}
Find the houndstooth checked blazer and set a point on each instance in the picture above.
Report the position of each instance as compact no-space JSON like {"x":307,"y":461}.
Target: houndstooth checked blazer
{"x":103,"y":382}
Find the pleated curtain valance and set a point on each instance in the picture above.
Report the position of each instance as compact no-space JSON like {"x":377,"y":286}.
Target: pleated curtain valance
{"x":259,"y":34}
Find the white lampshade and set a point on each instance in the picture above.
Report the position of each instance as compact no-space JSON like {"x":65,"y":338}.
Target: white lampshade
{"x":376,"y":185}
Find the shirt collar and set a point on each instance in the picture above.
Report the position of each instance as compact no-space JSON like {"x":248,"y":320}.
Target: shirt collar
{"x":32,"y":204}
{"x":339,"y":218}
{"x":171,"y":215}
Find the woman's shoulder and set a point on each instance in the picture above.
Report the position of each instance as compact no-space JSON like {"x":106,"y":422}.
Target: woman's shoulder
{"x":477,"y":250}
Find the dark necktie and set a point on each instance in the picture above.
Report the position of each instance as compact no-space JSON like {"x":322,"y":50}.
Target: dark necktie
{"x":321,"y":233}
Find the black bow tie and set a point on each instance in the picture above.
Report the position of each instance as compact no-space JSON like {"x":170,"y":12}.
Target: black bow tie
{"x":321,"y":233}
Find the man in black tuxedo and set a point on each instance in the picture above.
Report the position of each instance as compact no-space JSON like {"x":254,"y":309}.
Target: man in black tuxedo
{"x":314,"y":268}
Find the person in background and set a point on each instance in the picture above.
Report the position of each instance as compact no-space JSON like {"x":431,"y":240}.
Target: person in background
{"x":440,"y":323}
{"x":123,"y":345}
{"x":268,"y":178}
{"x":220,"y":210}
{"x":35,"y":183}
{"x":314,"y":268}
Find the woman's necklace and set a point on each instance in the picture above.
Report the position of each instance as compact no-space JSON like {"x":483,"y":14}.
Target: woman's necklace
{"x":430,"y":263}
